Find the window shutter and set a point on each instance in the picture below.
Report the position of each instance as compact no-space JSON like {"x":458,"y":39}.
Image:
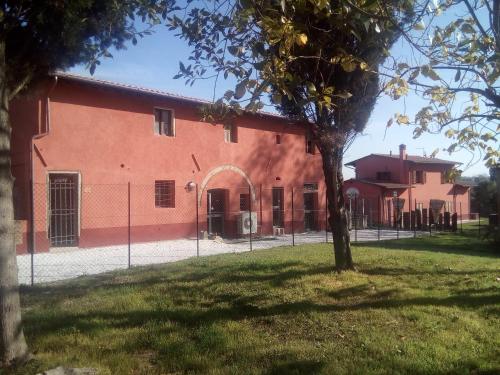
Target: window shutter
{"x":166,"y":119}
{"x":157,"y":114}
{"x":424,"y":177}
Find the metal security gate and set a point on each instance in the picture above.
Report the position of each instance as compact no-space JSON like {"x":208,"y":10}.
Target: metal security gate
{"x":310,"y":211}
{"x":63,"y":209}
{"x":278,"y":207}
{"x":216,"y":210}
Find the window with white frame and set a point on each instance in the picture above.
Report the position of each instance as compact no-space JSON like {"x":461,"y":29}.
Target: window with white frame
{"x":230,"y":133}
{"x":164,"y":122}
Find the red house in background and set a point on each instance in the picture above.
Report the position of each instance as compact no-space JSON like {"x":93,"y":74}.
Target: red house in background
{"x":385,"y":181}
{"x":91,"y":156}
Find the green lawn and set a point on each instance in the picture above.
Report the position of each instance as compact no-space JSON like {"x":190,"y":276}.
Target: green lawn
{"x":419,"y":306}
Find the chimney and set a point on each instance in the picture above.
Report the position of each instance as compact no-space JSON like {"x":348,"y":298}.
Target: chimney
{"x":402,"y":170}
{"x":402,"y":152}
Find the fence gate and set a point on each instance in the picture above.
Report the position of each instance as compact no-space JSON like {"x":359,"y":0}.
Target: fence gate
{"x":63,"y":209}
{"x":278,"y":207}
{"x":216,"y":211}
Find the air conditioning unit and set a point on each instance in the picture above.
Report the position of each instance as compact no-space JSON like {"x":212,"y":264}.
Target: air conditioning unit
{"x":278,"y":231}
{"x":244,"y":223}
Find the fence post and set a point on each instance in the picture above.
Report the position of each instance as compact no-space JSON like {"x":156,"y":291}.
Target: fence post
{"x":293,"y":228}
{"x":461,"y":220}
{"x":128,"y":199}
{"x":197,"y":223}
{"x":32,"y":232}
{"x":355,"y":218}
{"x":479,"y":223}
{"x":326,"y":217}
{"x":379,"y":218}
{"x":415,"y":220}
{"x":429,"y":220}
{"x":260,"y":203}
{"x":250,"y":212}
{"x":397,"y":220}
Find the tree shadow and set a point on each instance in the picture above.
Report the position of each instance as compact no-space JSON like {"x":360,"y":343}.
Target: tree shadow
{"x":303,"y":367}
{"x":443,"y":243}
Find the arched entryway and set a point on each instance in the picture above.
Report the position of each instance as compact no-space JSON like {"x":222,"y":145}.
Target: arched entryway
{"x":220,"y":169}
{"x":226,"y":192}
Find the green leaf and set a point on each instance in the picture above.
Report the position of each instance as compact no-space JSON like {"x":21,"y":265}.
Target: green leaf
{"x":311,"y":88}
{"x":457,"y":75}
{"x":276,"y":98}
{"x":419,"y":25}
{"x":240,"y":90}
{"x":428,"y":72}
{"x":344,"y":95}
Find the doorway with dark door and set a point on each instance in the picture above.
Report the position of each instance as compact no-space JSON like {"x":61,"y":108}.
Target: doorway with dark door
{"x":310,"y":207}
{"x":63,"y":209}
{"x":278,"y":207}
{"x":216,"y":211}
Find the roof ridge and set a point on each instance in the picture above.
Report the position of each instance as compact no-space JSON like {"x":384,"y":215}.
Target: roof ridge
{"x":146,"y":90}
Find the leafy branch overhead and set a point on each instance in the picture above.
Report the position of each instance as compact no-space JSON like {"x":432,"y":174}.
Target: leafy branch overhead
{"x":455,"y":67}
{"x":316,"y":61}
{"x":259,"y":43}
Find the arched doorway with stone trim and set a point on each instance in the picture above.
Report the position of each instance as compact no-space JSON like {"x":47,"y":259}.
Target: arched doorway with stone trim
{"x":224,"y":195}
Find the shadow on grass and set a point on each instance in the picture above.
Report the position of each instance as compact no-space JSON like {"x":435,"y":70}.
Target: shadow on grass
{"x":439,"y":242}
{"x":297,"y":368}
{"x":196,"y":294}
{"x":241,"y":309}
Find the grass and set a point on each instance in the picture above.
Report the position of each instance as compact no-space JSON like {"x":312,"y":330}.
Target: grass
{"x":419,"y":306}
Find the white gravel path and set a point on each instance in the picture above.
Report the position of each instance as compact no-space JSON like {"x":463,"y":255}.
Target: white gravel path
{"x":71,"y":263}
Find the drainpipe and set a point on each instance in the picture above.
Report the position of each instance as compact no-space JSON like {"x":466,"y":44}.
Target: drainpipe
{"x":32,"y":161}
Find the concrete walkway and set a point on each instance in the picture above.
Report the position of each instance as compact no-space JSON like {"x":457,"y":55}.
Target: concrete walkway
{"x":71,"y":263}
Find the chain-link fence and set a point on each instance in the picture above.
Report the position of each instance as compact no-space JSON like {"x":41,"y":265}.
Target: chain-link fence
{"x":76,"y":229}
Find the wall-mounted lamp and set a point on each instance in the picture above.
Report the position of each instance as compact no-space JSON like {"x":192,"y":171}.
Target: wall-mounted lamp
{"x":190,"y":186}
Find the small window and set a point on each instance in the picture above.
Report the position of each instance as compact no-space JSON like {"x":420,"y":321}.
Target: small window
{"x":309,"y":145}
{"x":244,"y":202}
{"x":383,"y":176}
{"x":445,"y":178}
{"x":278,"y":139}
{"x":311,"y":187}
{"x":418,"y":177}
{"x":165,"y":194}
{"x":230,"y":133}
{"x":164,"y":122}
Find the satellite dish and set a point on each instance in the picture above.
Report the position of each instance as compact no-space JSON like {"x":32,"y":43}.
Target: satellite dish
{"x":352,"y":192}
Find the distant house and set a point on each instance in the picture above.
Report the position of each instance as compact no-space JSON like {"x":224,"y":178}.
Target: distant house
{"x":387,"y":185}
{"x":78,"y":142}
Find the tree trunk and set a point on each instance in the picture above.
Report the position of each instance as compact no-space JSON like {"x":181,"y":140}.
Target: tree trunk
{"x":13,"y":346}
{"x":332,"y":157}
{"x":497,"y":180}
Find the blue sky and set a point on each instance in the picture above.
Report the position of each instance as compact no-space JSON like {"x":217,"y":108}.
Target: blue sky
{"x":155,"y":60}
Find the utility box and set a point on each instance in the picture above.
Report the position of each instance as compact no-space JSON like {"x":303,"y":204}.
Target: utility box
{"x":245,"y":224}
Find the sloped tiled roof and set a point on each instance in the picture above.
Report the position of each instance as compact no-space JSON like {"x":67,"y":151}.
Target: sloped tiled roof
{"x":144,"y":90}
{"x":410,"y":158}
{"x":387,"y":185}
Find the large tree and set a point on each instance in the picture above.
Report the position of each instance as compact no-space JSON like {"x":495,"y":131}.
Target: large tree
{"x":318,"y":60}
{"x":37,"y":37}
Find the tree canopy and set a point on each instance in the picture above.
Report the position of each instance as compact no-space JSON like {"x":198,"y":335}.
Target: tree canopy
{"x":318,"y":62}
{"x":454,"y":64}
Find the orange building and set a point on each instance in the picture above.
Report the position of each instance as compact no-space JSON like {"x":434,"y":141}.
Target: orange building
{"x":388,"y":186}
{"x":92,"y":159}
